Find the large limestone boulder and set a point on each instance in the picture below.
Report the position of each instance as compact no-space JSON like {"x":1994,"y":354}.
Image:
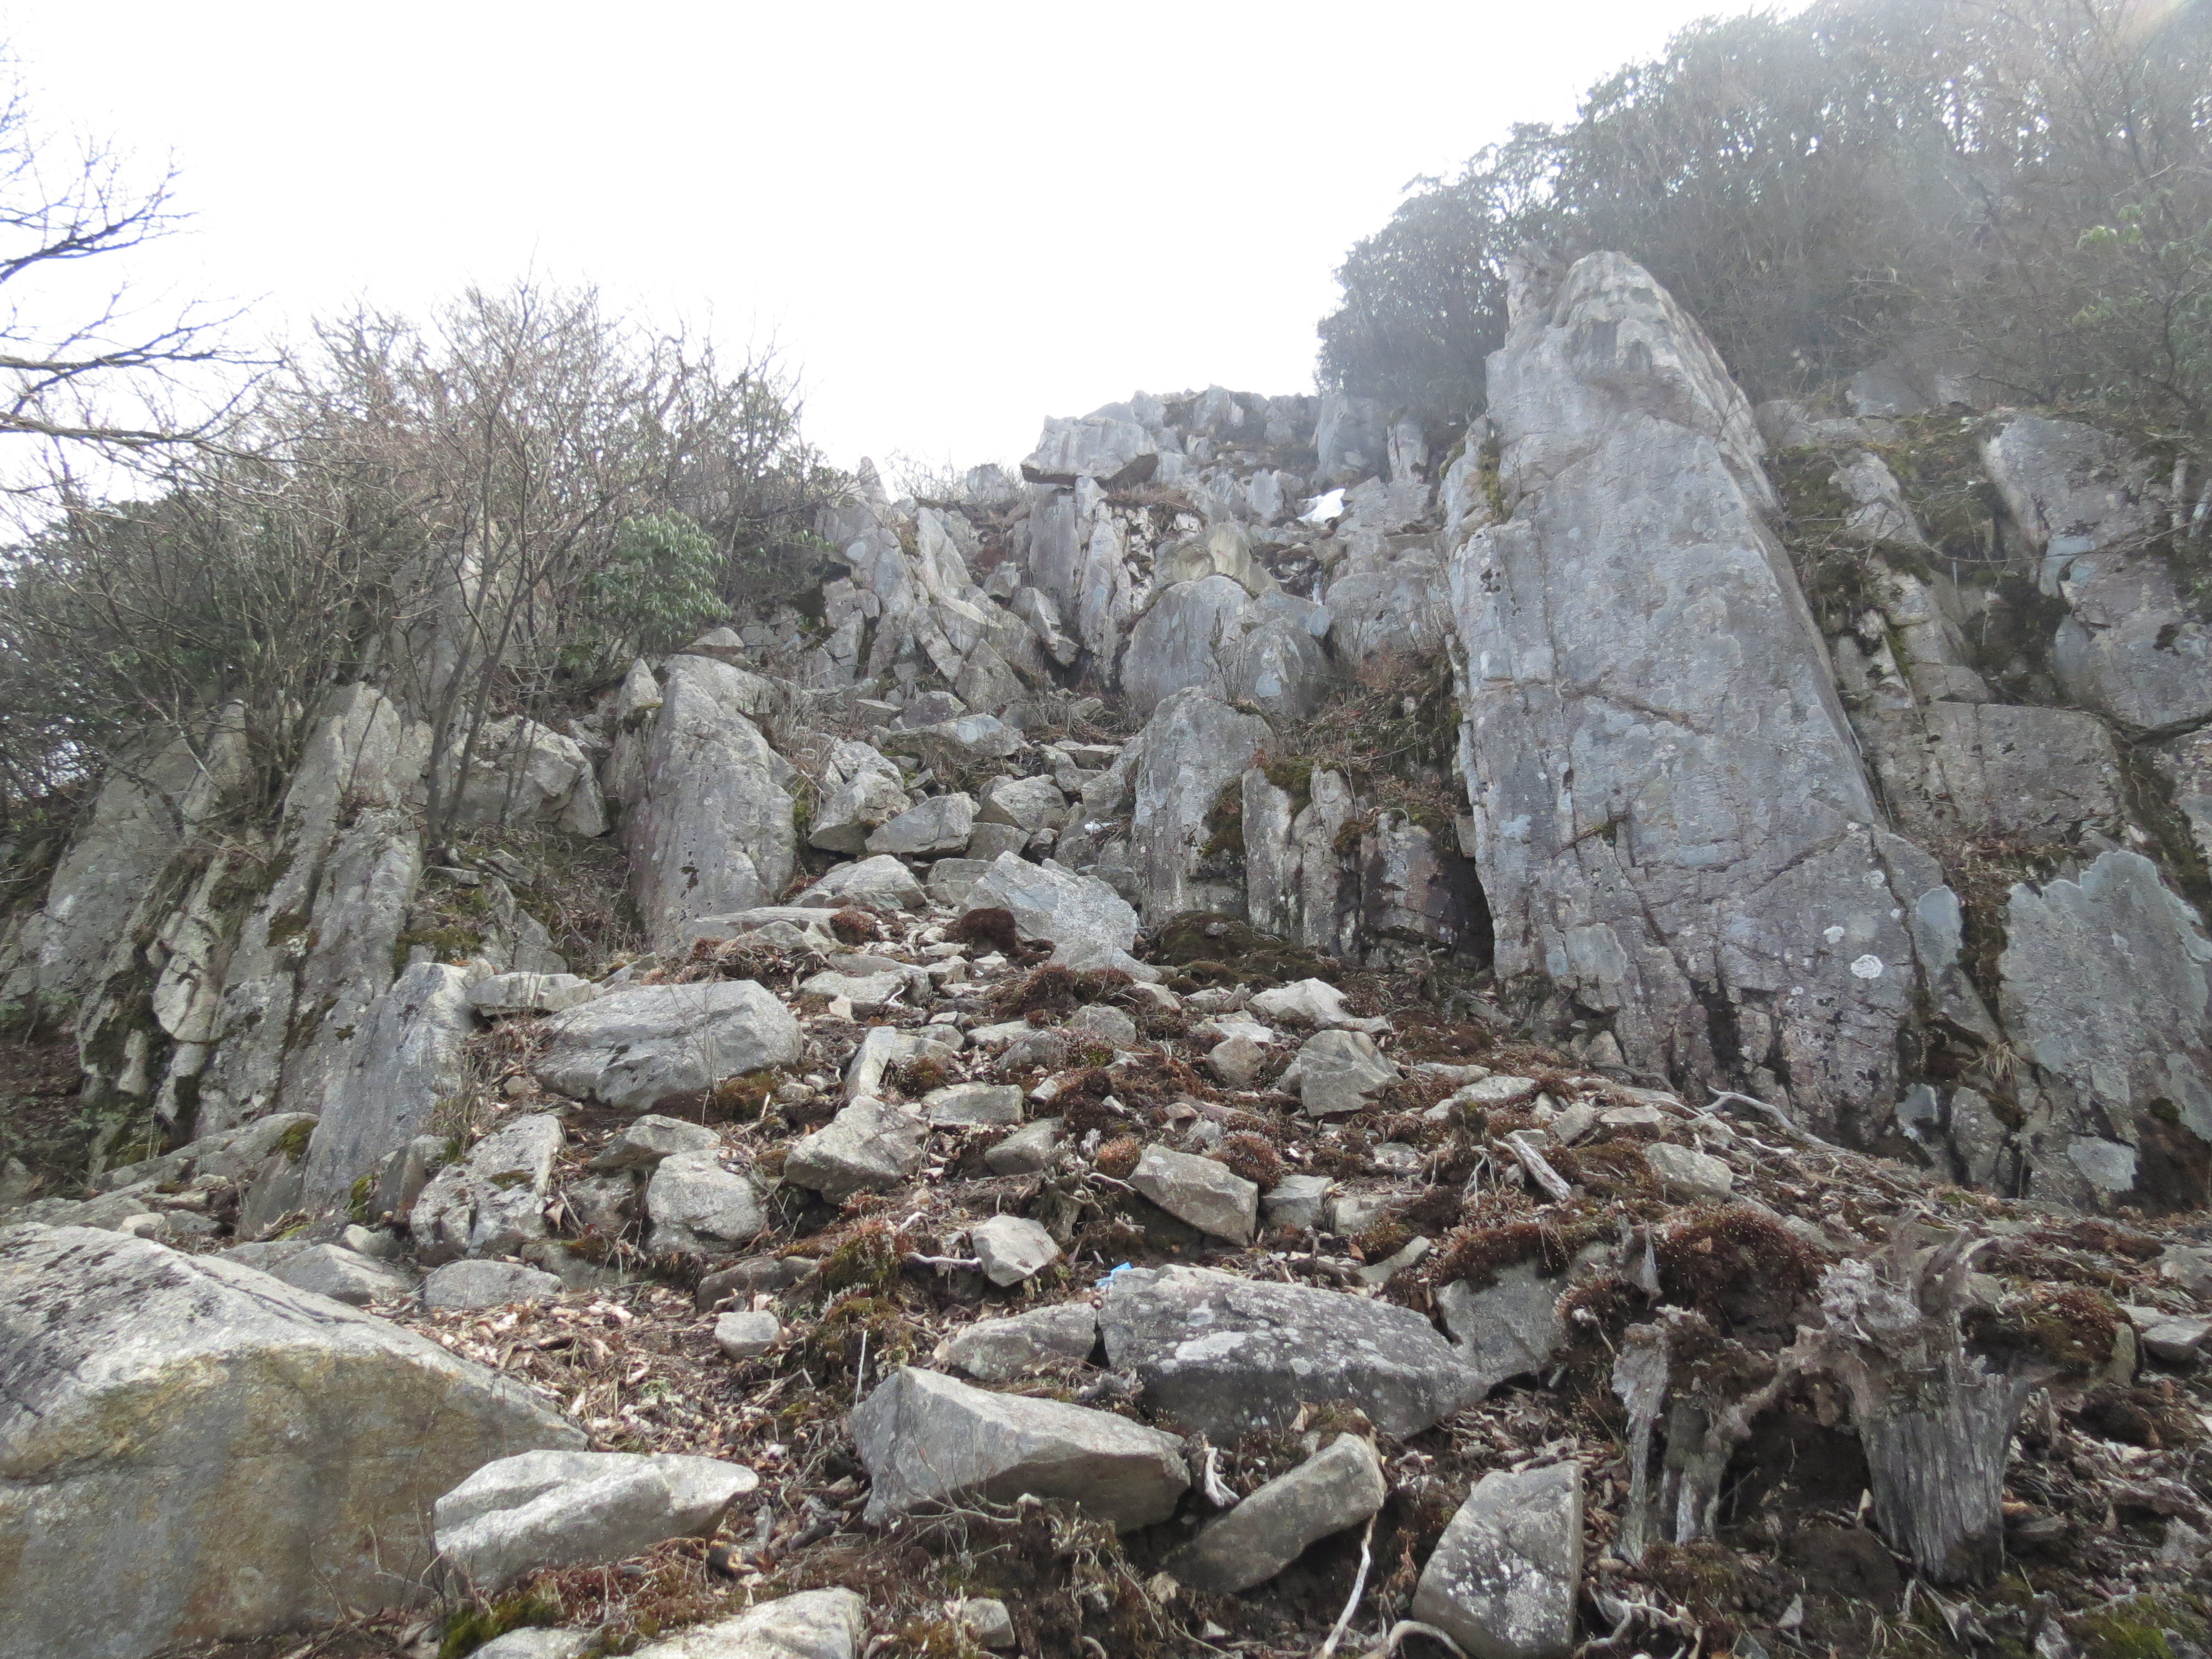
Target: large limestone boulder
{"x":863,"y":788}
{"x":1670,"y":819}
{"x":1222,"y":1355}
{"x":1193,"y":747}
{"x":635,"y":1049}
{"x":1109,"y":446}
{"x":1296,"y":886}
{"x":1172,"y":647}
{"x":493,"y":1202}
{"x":711,"y":831}
{"x":924,"y":1437}
{"x":1086,"y":922}
{"x":191,"y":1448}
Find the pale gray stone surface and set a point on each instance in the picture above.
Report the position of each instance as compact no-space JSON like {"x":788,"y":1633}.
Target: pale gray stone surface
{"x":1294,"y":882}
{"x":2105,"y":987}
{"x":523,"y":772}
{"x":1685,"y":1174}
{"x":1109,"y":446}
{"x":951,"y":879}
{"x":1099,"y":1022}
{"x":1223,"y":1354}
{"x":1337,"y":1071}
{"x":929,"y":829}
{"x":1508,"y":1328}
{"x":1665,"y":793}
{"x":634,"y":1048}
{"x":1028,"y":804}
{"x":644,"y":1141}
{"x":195,"y":1450}
{"x":1011,"y":1249}
{"x":712,"y":831}
{"x":923,"y":1436}
{"x":863,"y":789}
{"x":553,"y":1509}
{"x":884,"y":1048}
{"x":1237,"y":1061}
{"x":1085,"y":921}
{"x":1502,"y":1579}
{"x":411,"y":1055}
{"x":1296,"y":1201}
{"x":1979,"y":769}
{"x":999,"y":1350}
{"x":1337,"y":1487}
{"x":980,"y":1103}
{"x":478,"y":1284}
{"x":1193,"y":746}
{"x":828,"y":1624}
{"x":747,"y":1335}
{"x":529,"y":993}
{"x":343,"y":1275}
{"x":1027,"y":1151}
{"x":539,"y":1643}
{"x":868,"y":1146}
{"x":493,"y":1202}
{"x":698,"y":1207}
{"x":1209,"y":1196}
{"x":880,"y":880}
{"x":1174,"y":646}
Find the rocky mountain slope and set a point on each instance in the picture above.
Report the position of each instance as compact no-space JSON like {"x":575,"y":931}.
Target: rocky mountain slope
{"x":1289,"y":1034}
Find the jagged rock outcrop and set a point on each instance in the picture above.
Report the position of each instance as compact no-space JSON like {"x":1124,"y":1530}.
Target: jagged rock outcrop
{"x":1670,"y":819}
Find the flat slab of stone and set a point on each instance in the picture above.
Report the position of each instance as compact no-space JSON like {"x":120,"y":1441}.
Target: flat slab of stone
{"x":979,"y":1104}
{"x":930,"y":829}
{"x":553,"y":1509}
{"x":924,"y":1437}
{"x":747,"y":1335}
{"x":1337,"y":1071}
{"x":1337,"y":1487}
{"x":999,"y":1350}
{"x":327,"y":1270}
{"x":1502,"y":1579}
{"x":194,"y":1449}
{"x":1209,"y":1196}
{"x":1027,"y":1151}
{"x":529,"y":993}
{"x":1223,"y":1355}
{"x":698,"y":1207}
{"x":1086,"y":922}
{"x":646,"y":1140}
{"x":633,"y":1049}
{"x":1688,"y":1174}
{"x":829,"y":1624}
{"x":477,"y":1283}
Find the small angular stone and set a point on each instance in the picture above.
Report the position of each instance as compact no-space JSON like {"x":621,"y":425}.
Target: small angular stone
{"x":1334,"y":1489}
{"x":477,"y":1283}
{"x":868,"y":1146}
{"x":999,"y":1350}
{"x":1296,"y":1201}
{"x":746,"y":1335}
{"x":1689,"y":1174}
{"x":1336,"y":1072}
{"x":1012,"y":1248}
{"x":645,"y":1141}
{"x":1027,"y":1151}
{"x":1207,"y":1196}
{"x":980,"y":1103}
{"x":1237,"y":1061}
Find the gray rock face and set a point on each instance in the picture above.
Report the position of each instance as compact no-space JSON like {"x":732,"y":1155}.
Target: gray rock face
{"x":327,"y":1270}
{"x":866,"y":1146}
{"x":537,"y":1642}
{"x":635,"y":1049}
{"x":1295,"y":884}
{"x":1337,"y":1071}
{"x":195,"y":1450}
{"x":1635,"y":627}
{"x":410,"y":1057}
{"x":1685,"y":1174}
{"x":999,"y":1350}
{"x":1087,"y":923}
{"x":2104,"y":988}
{"x":1273,"y":658}
{"x":1333,"y":1489}
{"x":880,"y":881}
{"x":1192,"y":748}
{"x":1223,"y":1355}
{"x":934,"y":827}
{"x":1011,"y":1249}
{"x":980,"y":1103}
{"x":1207,"y":1196}
{"x":493,"y":1202}
{"x":830,"y":1623}
{"x":557,"y":1509}
{"x":473,"y":1283}
{"x":922,"y":1438}
{"x":1027,"y":1151}
{"x":1097,"y":1023}
{"x":522,"y":772}
{"x":2028,"y":774}
{"x":1174,"y":646}
{"x":1502,"y":1579}
{"x":712,"y":830}
{"x":1296,"y":1201}
{"x":698,"y":1207}
{"x":1351,"y":438}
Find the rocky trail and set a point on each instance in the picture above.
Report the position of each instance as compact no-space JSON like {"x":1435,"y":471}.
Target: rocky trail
{"x":1277,"y":1040}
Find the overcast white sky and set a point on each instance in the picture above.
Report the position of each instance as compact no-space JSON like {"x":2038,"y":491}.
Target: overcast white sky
{"x":955,"y":218}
